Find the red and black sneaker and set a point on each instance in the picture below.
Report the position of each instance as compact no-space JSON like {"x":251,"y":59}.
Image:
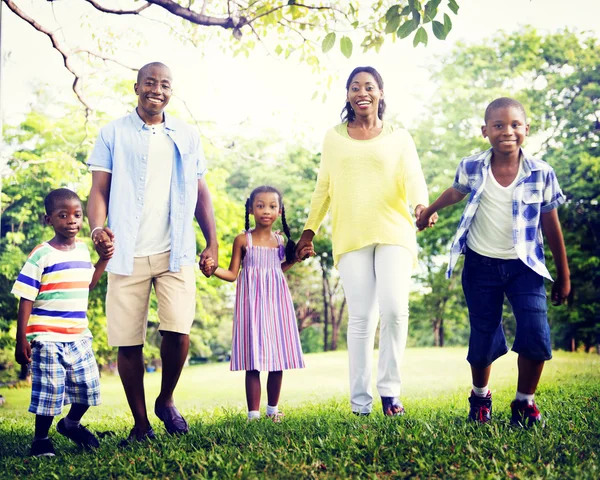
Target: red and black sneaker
{"x":481,"y":408}
{"x":525,"y":414}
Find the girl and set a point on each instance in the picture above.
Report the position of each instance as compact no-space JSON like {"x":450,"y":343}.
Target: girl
{"x":265,"y":333}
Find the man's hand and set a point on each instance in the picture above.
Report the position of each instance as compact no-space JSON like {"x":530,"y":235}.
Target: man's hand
{"x":104,"y":242}
{"x":23,"y":352}
{"x":210,"y":253}
{"x":561,"y":289}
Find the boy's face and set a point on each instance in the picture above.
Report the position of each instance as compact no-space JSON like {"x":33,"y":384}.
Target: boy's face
{"x":67,"y":218}
{"x":506,"y":129}
{"x":265,"y":208}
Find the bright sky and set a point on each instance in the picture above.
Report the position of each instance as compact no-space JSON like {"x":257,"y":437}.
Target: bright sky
{"x":266,"y":92}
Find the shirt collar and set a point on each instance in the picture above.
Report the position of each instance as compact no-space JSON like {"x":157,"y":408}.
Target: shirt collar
{"x":138,"y":123}
{"x":529,"y":165}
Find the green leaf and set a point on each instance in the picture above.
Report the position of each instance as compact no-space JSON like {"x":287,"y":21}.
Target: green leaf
{"x":447,"y":23}
{"x":278,"y":49}
{"x":328,"y":42}
{"x":315,"y":95}
{"x":392,"y":24}
{"x":346,"y":47}
{"x":405,"y":11}
{"x":392,"y":12}
{"x":420,"y":37}
{"x":438,"y":30}
{"x":430,"y":10}
{"x":406,"y":29}
{"x":452,"y":5}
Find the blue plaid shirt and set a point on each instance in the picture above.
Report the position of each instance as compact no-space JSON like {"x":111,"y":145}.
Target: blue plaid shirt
{"x":536,"y":193}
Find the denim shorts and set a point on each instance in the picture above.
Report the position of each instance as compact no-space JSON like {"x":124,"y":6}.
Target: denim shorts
{"x":485,"y":281}
{"x":63,"y":373}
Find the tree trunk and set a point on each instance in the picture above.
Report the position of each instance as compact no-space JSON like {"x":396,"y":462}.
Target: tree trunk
{"x":436,"y":333}
{"x":572,"y":344}
{"x":336,"y":323}
{"x":441,"y":332}
{"x":325,"y":311}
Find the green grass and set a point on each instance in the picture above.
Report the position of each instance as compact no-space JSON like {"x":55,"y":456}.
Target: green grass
{"x":319,"y":438}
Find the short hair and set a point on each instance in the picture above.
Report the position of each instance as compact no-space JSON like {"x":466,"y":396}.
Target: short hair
{"x":56,"y":196}
{"x":148,"y":66}
{"x":503,"y":102}
{"x":348,"y":114}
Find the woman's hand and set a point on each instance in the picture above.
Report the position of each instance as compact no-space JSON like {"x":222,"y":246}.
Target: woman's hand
{"x":424,"y":219}
{"x":305,"y":245}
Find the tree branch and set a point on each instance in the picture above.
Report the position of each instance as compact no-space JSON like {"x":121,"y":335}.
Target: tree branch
{"x":57,"y":46}
{"x":97,"y":6}
{"x":198,"y":18}
{"x":103,"y":58}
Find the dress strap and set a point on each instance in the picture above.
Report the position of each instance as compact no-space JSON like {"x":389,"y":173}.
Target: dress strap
{"x":279,"y":239}
{"x":249,"y":238}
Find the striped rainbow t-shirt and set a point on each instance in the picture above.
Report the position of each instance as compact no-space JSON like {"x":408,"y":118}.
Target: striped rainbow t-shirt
{"x":57,"y":281}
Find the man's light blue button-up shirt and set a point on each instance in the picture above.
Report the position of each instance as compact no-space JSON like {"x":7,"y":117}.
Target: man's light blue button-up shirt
{"x":122,"y":149}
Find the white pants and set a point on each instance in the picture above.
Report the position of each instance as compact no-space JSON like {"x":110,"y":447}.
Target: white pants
{"x":377,"y":274}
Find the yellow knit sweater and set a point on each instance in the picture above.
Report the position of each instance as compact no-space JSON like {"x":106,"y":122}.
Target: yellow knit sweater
{"x":368,"y":184}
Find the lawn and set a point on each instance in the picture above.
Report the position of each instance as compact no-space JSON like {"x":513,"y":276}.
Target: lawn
{"x":319,"y":438}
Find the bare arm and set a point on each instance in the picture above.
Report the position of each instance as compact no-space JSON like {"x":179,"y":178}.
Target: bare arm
{"x":230,"y":274}
{"x":450,"y":196}
{"x":553,"y":232}
{"x":98,"y":271}
{"x":23,"y":349}
{"x":97,"y":211}
{"x":205,"y":216}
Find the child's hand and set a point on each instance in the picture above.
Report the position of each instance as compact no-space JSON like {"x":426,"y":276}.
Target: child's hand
{"x":423,"y":218}
{"x":208,"y":265}
{"x":103,"y":241}
{"x":23,"y":352}
{"x":307,"y":251}
{"x":561,"y":289}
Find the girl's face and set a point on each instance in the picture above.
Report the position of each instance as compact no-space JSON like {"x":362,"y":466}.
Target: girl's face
{"x":265,"y":208}
{"x":364,"y":94}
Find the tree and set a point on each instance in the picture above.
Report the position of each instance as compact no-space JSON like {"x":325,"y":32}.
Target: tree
{"x":300,"y":28}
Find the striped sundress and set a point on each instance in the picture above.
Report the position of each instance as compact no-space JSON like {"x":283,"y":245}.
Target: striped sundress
{"x":265,"y":332}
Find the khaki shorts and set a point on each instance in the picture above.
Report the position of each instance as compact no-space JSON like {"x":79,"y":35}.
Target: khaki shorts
{"x":128,"y":296}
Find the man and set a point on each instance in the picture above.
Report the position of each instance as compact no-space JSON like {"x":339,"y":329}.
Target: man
{"x":147,"y":177}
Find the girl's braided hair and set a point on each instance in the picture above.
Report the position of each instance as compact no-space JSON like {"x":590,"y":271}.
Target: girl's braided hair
{"x":290,"y":246}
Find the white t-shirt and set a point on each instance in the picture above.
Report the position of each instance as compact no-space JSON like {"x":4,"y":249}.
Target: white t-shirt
{"x":154,"y":234}
{"x":491,"y":232}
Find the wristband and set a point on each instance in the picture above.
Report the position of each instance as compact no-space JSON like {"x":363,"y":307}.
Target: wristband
{"x":97,"y":228}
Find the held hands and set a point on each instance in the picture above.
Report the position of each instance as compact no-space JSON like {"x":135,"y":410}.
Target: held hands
{"x":104,"y":242}
{"x":305,"y":247}
{"x":423,"y":218}
{"x":304,"y":253}
{"x":561,"y":289}
{"x":23,"y":352}
{"x":210,"y":253}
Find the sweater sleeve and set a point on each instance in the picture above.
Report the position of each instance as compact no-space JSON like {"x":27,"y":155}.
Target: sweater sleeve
{"x":414,"y":180}
{"x":319,"y":204}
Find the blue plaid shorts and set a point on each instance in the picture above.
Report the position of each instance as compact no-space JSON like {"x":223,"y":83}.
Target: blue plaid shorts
{"x":63,"y":373}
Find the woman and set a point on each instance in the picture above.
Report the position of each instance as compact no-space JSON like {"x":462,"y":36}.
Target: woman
{"x":369,"y":174}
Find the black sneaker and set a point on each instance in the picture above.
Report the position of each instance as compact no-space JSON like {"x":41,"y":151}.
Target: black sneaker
{"x":42,"y":448}
{"x":137,"y":436}
{"x":525,"y":414}
{"x":481,"y":408}
{"x":80,"y":435}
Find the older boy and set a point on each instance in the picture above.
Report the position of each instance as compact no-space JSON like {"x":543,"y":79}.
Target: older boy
{"x":52,"y":328}
{"x":513,"y":198}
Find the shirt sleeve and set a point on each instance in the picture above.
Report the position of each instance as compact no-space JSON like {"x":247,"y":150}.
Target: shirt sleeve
{"x":320,"y":201}
{"x":28,"y":282}
{"x":461,"y":179}
{"x":101,"y":157}
{"x":414,"y":180}
{"x":552,"y":194}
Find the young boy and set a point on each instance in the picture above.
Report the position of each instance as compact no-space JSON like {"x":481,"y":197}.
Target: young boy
{"x":52,"y":329}
{"x":512,"y":199}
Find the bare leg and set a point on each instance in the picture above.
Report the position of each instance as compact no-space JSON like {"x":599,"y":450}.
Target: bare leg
{"x":253,"y":390}
{"x":173,"y":353}
{"x":530,"y":372}
{"x":42,"y":425}
{"x":77,"y":411}
{"x":274,"y":387}
{"x":130,"y":363}
{"x":481,"y":376}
